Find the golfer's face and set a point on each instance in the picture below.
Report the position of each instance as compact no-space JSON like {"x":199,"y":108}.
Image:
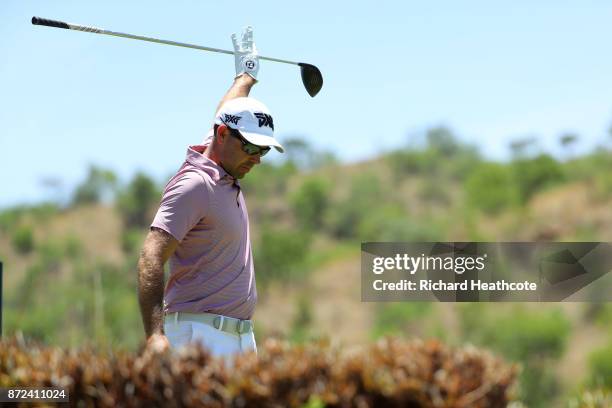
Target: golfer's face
{"x":237,"y":162}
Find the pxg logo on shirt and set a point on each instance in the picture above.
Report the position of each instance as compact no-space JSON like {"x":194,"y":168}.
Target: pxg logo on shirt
{"x":232,"y":119}
{"x":265,"y":120}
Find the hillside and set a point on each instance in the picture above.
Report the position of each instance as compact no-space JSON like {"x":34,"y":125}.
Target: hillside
{"x":70,"y":274}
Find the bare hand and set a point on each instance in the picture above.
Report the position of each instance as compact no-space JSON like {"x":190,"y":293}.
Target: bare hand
{"x":157,"y":343}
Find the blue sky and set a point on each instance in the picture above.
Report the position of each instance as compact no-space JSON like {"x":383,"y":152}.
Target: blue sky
{"x":491,"y":72}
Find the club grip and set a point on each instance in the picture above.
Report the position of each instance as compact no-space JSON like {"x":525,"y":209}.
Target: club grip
{"x":49,"y":23}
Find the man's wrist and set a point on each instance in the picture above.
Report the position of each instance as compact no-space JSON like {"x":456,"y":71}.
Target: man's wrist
{"x":245,"y":79}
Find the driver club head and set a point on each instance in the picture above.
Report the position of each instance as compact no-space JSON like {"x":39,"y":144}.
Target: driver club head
{"x":311,"y":77}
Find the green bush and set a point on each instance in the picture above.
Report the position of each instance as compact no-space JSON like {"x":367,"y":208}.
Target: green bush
{"x":73,"y":247}
{"x":442,"y":141}
{"x":534,"y":338}
{"x":533,"y":175}
{"x":597,"y":398}
{"x":131,"y":240}
{"x":393,"y":318}
{"x":462,"y":164}
{"x":299,"y":153}
{"x":302,"y":321}
{"x":435,"y":191}
{"x":281,"y":255}
{"x":539,"y":385}
{"x":391,"y":223}
{"x":411,"y":162}
{"x":23,"y":240}
{"x":9,"y":219}
{"x":51,"y":255}
{"x":490,"y":187}
{"x":310,"y":202}
{"x":137,"y":201}
{"x":363,"y":201}
{"x":600,"y":362}
{"x":28,"y":287}
{"x":520,"y":334}
{"x":99,"y":185}
{"x":268,"y":180}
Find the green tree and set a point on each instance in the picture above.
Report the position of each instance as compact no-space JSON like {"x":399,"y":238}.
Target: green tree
{"x":600,"y":362}
{"x":281,"y":254}
{"x":534,"y":338}
{"x":310,"y":202}
{"x":100,"y":184}
{"x":533,"y":175}
{"x":300,"y":153}
{"x":23,"y":240}
{"x":345,"y":217}
{"x":567,"y":141}
{"x":443,"y":141}
{"x":491,"y":187}
{"x":136,"y":202}
{"x":521,"y":147}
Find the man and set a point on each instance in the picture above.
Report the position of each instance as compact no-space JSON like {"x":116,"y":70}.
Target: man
{"x":202,"y":228}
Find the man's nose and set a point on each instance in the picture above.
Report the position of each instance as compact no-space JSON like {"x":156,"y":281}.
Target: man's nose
{"x":256,"y":158}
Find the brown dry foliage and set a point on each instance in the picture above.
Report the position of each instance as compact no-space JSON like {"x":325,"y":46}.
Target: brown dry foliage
{"x":389,"y":373}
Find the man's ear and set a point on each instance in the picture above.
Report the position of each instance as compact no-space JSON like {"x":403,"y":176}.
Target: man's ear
{"x":220,"y":136}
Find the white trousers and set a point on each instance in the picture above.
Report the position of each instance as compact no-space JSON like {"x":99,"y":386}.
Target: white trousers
{"x":219,"y":343}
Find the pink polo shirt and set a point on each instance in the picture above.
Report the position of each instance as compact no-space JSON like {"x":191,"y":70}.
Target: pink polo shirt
{"x":212,"y":267}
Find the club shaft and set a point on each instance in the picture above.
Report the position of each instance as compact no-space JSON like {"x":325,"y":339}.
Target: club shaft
{"x":96,"y":30}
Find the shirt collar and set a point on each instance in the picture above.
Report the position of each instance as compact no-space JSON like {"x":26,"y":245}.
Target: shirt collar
{"x":196,"y":158}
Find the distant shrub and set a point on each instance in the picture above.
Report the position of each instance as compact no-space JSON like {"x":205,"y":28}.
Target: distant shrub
{"x":23,"y":240}
{"x":411,"y":162}
{"x":600,"y":362}
{"x":392,"y":318}
{"x":137,"y":200}
{"x":535,"y":338}
{"x":363,"y":201}
{"x":42,"y":212}
{"x":9,"y":218}
{"x":597,"y":398}
{"x":521,"y":334}
{"x":28,"y":285}
{"x":443,"y":141}
{"x":533,"y":175}
{"x":310,"y":202}
{"x":302,"y":321}
{"x":392,"y":223}
{"x":281,"y":254}
{"x":434,"y":191}
{"x":51,"y":255}
{"x":491,"y":188}
{"x":73,"y":247}
{"x":266,"y":180}
{"x":302,"y":155}
{"x":99,"y":185}
{"x":462,"y":164}
{"x":131,"y":240}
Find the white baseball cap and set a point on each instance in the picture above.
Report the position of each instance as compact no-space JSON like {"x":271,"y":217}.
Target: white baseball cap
{"x":251,"y":118}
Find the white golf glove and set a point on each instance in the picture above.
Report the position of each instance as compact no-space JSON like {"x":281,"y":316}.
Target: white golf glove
{"x":245,"y":54}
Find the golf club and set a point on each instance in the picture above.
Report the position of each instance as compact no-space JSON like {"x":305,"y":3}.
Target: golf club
{"x":311,"y":76}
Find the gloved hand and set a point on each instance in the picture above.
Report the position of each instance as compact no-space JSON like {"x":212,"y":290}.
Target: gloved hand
{"x":245,"y":54}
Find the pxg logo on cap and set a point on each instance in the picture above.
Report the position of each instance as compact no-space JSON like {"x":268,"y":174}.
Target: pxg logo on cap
{"x":252,"y":119}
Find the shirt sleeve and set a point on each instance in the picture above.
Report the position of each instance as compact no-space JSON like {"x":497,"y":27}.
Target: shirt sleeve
{"x":184,"y":203}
